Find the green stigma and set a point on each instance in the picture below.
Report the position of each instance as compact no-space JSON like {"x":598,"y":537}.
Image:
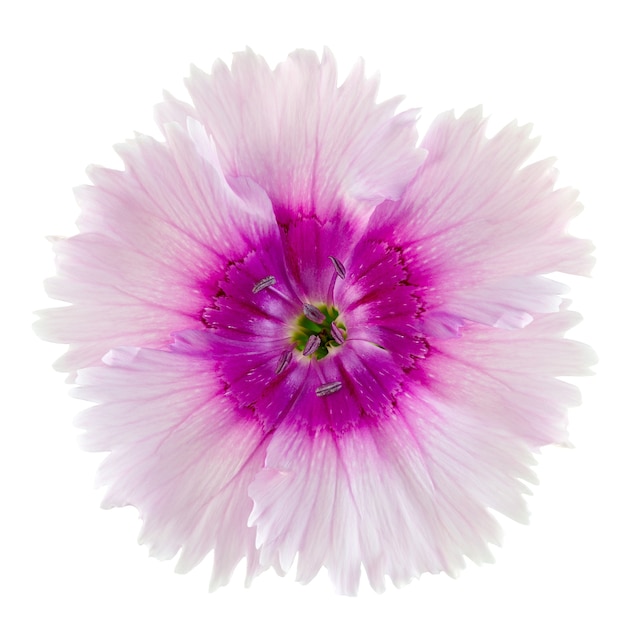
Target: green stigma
{"x":329,"y":331}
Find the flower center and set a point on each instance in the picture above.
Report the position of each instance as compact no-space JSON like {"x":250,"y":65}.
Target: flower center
{"x":312,"y":342}
{"x":317,"y":330}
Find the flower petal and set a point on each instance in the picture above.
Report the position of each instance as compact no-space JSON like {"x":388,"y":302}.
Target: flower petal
{"x":482,"y":226}
{"x":492,"y":212}
{"x":407,"y":497}
{"x":308,"y":142}
{"x":178,"y":454}
{"x":512,"y":376}
{"x":505,"y":302}
{"x":155,"y":240}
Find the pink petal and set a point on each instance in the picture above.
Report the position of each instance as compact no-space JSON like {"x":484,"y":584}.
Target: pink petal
{"x":308,"y":142}
{"x":510,"y":302}
{"x":512,"y":376}
{"x":154,"y":238}
{"x":497,"y":217}
{"x":179,"y":455}
{"x":483,"y":227}
{"x":408,"y":497}
{"x":120,"y":297}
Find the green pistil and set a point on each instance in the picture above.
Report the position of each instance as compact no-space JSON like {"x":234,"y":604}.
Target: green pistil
{"x":306,"y":327}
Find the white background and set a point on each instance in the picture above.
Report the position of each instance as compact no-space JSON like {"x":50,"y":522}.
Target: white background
{"x":78,"y":77}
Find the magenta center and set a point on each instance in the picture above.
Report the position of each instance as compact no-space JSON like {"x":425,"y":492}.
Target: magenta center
{"x":299,"y":338}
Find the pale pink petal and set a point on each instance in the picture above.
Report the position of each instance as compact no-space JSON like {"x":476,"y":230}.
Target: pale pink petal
{"x":505,"y":302}
{"x":513,"y":377}
{"x":155,"y":237}
{"x":302,"y":504}
{"x":120,"y":297}
{"x":180,"y":455}
{"x":310,"y":143}
{"x":477,"y":210}
{"x":483,"y":226}
{"x":406,"y":497}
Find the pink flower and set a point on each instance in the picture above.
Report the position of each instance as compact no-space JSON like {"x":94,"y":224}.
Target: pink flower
{"x":305,"y":336}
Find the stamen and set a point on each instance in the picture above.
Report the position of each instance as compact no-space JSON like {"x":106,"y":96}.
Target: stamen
{"x":340,"y":271}
{"x":268,"y":281}
{"x":327,"y":389}
{"x":339,"y":267}
{"x":283,"y":361}
{"x":314,"y":314}
{"x":337,"y":334}
{"x":313,"y":343}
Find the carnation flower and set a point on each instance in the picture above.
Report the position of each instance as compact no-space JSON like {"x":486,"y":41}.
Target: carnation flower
{"x":307,"y":338}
